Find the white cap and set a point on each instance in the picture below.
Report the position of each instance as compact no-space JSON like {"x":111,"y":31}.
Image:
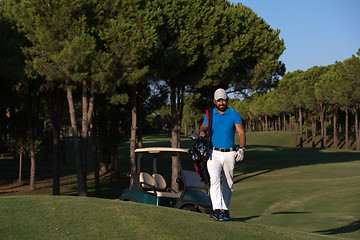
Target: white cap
{"x":220,"y":94}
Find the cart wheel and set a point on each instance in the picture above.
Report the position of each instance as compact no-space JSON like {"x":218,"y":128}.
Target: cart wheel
{"x":190,"y":208}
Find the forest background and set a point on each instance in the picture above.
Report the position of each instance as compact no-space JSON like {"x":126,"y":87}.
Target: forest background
{"x":115,"y":70}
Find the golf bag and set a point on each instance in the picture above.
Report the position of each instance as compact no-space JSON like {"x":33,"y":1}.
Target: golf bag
{"x":200,"y":151}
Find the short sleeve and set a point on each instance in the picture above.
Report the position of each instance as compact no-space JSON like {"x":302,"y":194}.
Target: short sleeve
{"x":237,"y":117}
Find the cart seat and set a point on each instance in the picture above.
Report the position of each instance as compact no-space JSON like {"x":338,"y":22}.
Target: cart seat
{"x":168,"y":194}
{"x":160,"y":183}
{"x":160,"y":187}
{"x":147,"y":182}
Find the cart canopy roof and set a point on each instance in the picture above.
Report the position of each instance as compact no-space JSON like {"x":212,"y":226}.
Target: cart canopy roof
{"x":162,"y":150}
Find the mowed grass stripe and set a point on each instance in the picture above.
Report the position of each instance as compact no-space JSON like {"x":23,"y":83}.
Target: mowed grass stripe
{"x":320,"y":198}
{"x":50,"y":217}
{"x":279,"y":193}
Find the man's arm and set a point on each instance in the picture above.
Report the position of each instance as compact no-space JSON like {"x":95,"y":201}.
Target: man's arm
{"x":241,"y":132}
{"x":203,"y":129}
{"x":239,"y":156}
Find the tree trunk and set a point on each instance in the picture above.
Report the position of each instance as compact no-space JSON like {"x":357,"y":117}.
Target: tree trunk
{"x":357,"y":130}
{"x":306,"y":128}
{"x":33,"y":166}
{"x":284,"y":122}
{"x":185,"y":130}
{"x":300,"y":128}
{"x":179,"y":112}
{"x":336,"y":144}
{"x":32,"y":146}
{"x":250,"y":125}
{"x":346,"y":128}
{"x":94,"y":134}
{"x":279,"y":122}
{"x":82,"y":185}
{"x":261,"y":124}
{"x":325,"y":130}
{"x":274,"y":125}
{"x":133,"y":135}
{"x":87,"y":112}
{"x":56,"y":157}
{"x":296,"y":130}
{"x":322,"y":123}
{"x":139,"y":118}
{"x":174,"y":138}
{"x":55,"y":129}
{"x":289,"y":125}
{"x":313,"y":131}
{"x":266,"y":123}
{"x":116,"y":163}
{"x":20,"y":165}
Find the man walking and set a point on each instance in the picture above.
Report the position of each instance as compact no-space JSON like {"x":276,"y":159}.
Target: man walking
{"x":223,"y":154}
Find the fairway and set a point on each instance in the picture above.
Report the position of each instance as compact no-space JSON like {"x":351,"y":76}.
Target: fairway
{"x":305,"y":190}
{"x":279,"y":193}
{"x":50,"y":217}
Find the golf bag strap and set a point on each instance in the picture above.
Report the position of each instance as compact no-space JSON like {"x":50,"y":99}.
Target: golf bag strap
{"x":209,"y":117}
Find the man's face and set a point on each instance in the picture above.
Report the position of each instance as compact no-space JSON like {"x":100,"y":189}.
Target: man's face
{"x":221,"y":104}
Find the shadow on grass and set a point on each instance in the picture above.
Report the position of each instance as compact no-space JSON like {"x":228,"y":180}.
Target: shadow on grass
{"x":270,"y":158}
{"x":244,"y":219}
{"x":352,"y":227}
{"x":259,"y":160}
{"x":279,"y":213}
{"x":251,"y":176}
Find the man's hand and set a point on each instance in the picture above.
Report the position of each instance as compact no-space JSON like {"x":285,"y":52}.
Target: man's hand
{"x":239,"y":156}
{"x":203,"y":130}
{"x":202,"y":134}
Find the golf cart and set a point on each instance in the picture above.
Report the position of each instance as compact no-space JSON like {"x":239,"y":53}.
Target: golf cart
{"x":152,"y":188}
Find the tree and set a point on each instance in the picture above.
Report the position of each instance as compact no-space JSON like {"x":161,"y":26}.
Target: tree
{"x":65,"y":53}
{"x":288,"y":90}
{"x":26,"y":86}
{"x":299,"y":84}
{"x":193,"y":112}
{"x":272,"y":109}
{"x":319,"y":91}
{"x":130,"y":37}
{"x":178,"y":60}
{"x":243,"y":108}
{"x":11,"y":71}
{"x":207,"y":44}
{"x":244,"y":51}
{"x":332,"y":83}
{"x":350,"y":91}
{"x":311,"y":77}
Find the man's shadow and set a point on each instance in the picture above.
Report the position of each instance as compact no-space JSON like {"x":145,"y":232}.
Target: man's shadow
{"x":244,"y":219}
{"x":352,"y":227}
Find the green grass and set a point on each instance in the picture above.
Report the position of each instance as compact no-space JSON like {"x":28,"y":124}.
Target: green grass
{"x":50,"y":217}
{"x":304,"y":190}
{"x":283,"y":139}
{"x":279,"y":193}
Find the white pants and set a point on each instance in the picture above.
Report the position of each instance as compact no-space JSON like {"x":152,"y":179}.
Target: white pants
{"x":221,"y":162}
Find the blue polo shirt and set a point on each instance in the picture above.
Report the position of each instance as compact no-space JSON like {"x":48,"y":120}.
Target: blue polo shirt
{"x":223,"y":128}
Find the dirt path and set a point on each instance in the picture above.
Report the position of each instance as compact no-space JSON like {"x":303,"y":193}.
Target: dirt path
{"x":10,"y":190}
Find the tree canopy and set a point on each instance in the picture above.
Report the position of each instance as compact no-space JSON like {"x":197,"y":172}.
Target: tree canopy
{"x":106,"y":57}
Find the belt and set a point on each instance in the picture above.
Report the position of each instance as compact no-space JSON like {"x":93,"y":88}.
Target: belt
{"x":224,"y":150}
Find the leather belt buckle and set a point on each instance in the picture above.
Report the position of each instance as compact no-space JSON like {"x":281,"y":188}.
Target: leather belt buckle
{"x":223,"y":149}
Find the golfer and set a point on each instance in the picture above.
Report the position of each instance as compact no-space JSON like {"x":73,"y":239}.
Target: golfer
{"x":223,"y":154}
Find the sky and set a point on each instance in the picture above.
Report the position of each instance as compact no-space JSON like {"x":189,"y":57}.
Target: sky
{"x":315,"y":32}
